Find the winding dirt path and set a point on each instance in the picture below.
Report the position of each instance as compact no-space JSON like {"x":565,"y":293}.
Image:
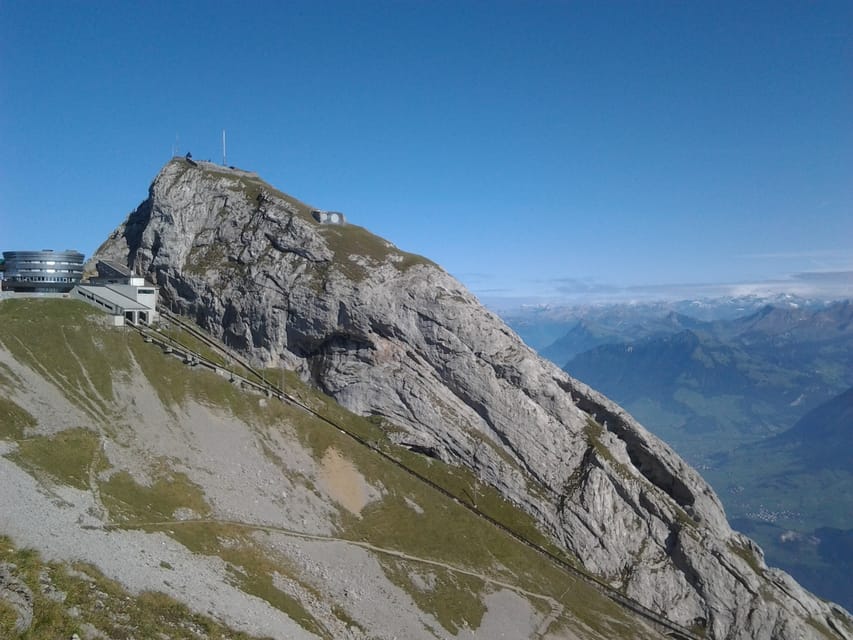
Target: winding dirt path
{"x":556,"y":608}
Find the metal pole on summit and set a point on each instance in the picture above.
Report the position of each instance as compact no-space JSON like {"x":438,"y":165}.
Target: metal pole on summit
{"x":224,"y":163}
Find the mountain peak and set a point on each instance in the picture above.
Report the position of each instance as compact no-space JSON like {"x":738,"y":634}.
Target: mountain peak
{"x":392,"y":335}
{"x":226,"y":219}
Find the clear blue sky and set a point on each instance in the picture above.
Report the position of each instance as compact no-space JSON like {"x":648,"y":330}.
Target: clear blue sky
{"x":531,"y":148}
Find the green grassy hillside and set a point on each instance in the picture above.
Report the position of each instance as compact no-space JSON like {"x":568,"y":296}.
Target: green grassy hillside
{"x":123,"y":394}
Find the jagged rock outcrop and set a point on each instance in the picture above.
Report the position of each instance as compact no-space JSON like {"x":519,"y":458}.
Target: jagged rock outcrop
{"x":391,"y":334}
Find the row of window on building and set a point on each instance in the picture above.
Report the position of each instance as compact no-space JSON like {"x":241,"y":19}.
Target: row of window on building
{"x":44,"y":279}
{"x":42,"y":271}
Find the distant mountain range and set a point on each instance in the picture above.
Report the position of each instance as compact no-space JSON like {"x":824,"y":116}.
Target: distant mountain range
{"x":740,"y":379}
{"x":590,"y":333}
{"x":732,"y":380}
{"x":540,"y":326}
{"x":756,"y":393}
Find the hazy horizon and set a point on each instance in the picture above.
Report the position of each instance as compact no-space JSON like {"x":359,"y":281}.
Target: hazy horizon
{"x":823,"y":286}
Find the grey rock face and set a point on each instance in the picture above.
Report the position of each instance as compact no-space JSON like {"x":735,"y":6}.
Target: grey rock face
{"x":391,"y":334}
{"x":16,"y":594}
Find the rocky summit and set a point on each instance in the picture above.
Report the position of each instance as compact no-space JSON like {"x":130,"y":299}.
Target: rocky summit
{"x":391,"y":335}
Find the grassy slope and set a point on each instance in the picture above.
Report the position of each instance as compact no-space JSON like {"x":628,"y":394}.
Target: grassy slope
{"x":65,"y":343}
{"x":99,"y":601}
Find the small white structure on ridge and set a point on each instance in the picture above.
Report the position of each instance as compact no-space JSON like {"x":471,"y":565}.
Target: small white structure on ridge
{"x":328,"y":217}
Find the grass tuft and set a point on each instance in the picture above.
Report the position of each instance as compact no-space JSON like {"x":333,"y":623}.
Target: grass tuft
{"x":65,"y":456}
{"x":172,"y":490}
{"x":352,"y":240}
{"x":456,"y":600}
{"x":14,"y":420}
{"x":748,"y":556}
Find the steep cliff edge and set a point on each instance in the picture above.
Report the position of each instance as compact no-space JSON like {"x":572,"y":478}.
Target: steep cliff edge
{"x":391,"y":334}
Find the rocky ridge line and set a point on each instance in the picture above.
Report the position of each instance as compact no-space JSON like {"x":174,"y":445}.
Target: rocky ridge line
{"x":391,"y":334}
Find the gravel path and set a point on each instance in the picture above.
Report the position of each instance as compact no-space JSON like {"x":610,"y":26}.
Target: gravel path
{"x":57,"y":523}
{"x":249,"y":475}
{"x":541,"y":630}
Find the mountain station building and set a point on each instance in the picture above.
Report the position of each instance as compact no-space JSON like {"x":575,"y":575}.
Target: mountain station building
{"x":59,"y":274}
{"x":120,"y":293}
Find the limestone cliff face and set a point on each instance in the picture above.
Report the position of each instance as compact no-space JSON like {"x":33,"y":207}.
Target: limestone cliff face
{"x":391,"y":334}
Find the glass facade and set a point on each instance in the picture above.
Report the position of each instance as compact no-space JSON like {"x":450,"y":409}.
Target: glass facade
{"x":42,"y":271}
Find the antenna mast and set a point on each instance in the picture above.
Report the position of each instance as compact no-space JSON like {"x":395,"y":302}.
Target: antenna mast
{"x":223,"y":148}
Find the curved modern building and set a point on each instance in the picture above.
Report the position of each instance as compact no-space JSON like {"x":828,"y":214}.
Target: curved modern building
{"x":44,"y":271}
